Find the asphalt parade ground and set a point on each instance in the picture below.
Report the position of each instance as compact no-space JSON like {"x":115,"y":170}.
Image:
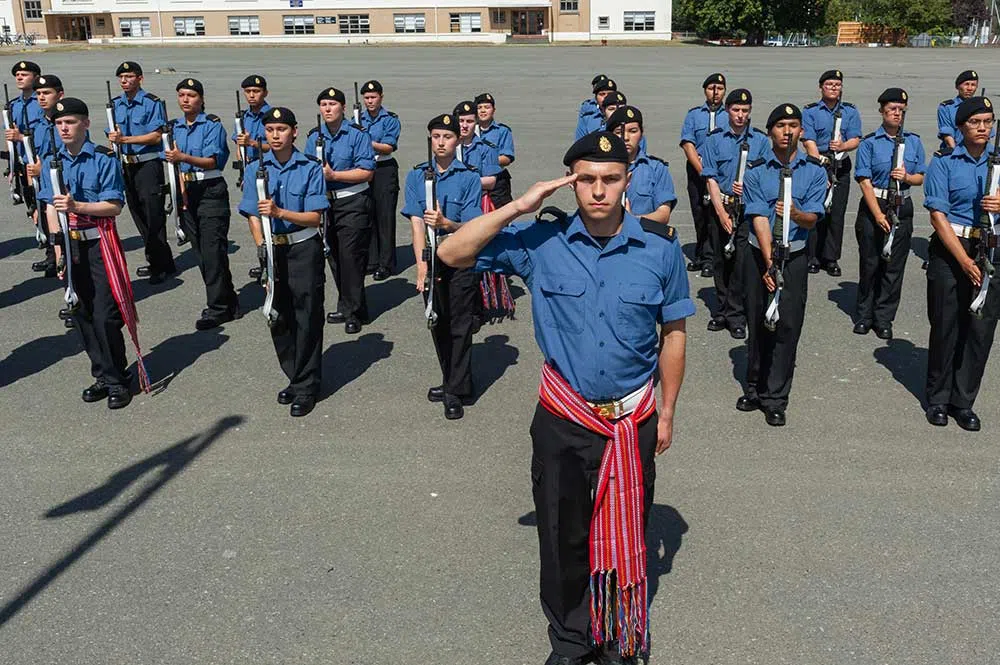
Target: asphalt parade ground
{"x":203,"y":525}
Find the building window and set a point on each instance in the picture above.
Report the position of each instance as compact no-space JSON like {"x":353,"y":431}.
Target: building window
{"x":466,"y":22}
{"x":603,"y":22}
{"x":33,"y":10}
{"x":99,"y":23}
{"x":354,"y":24}
{"x":499,"y":16}
{"x":640,"y":21}
{"x":189,"y":26}
{"x":409,"y":22}
{"x":244,"y":25}
{"x":134,"y":27}
{"x":300,"y":25}
{"x":569,"y":5}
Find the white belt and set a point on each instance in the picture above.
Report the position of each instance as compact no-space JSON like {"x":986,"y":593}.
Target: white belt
{"x":619,"y":408}
{"x":793,"y":246}
{"x":383,"y":158}
{"x":349,"y":191}
{"x":139,"y":159}
{"x":963,"y":231}
{"x":884,"y":193}
{"x":193,"y":176}
{"x":85,"y":234}
{"x":295,"y":237}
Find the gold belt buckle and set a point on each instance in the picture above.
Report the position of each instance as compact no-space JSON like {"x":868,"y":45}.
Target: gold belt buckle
{"x":130,"y":159}
{"x":609,"y":409}
{"x":974,"y":232}
{"x":188,"y":176}
{"x":75,"y":235}
{"x":280,"y":239}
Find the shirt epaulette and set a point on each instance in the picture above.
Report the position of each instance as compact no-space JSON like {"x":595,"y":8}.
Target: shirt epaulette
{"x":103,"y":149}
{"x":313,"y":158}
{"x":489,"y":143}
{"x":660,"y":229}
{"x":213,"y":117}
{"x":867,"y":136}
{"x":759,"y":131}
{"x":391,"y":113}
{"x":947,"y":102}
{"x":848,"y":104}
{"x":693,"y":108}
{"x":716,"y":131}
{"x":420,"y":167}
{"x":944,"y":152}
{"x":557,"y":214}
{"x":657,"y":159}
{"x":312,"y":131}
{"x":500,"y":124}
{"x":357,"y":126}
{"x":756,"y":162}
{"x":152,"y":96}
{"x":811,"y":105}
{"x":815,"y":160}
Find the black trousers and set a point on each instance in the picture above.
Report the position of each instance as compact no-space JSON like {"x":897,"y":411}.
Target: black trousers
{"x":565,"y":463}
{"x":455,"y":295}
{"x":771,"y":355}
{"x":298,"y":300}
{"x":700,"y":214}
{"x":385,"y":198}
{"x":959,"y":342}
{"x":206,"y":224}
{"x":144,"y":196}
{"x":827,"y":237}
{"x":728,"y":272}
{"x":98,"y":318}
{"x":501,"y":193}
{"x":348,"y":232}
{"x":880,"y":283}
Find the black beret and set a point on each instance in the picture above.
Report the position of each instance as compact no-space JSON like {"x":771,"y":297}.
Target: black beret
{"x":967,"y":75}
{"x":739,"y":96}
{"x":129,"y":67}
{"x":713,"y":78}
{"x":191,"y":84}
{"x":597,"y":79}
{"x":890,"y":95}
{"x":254,"y":81}
{"x":464,"y":108}
{"x":831,"y":75}
{"x":70,"y":106}
{"x":48,"y":81}
{"x":485,"y":98}
{"x":597,"y":147}
{"x":25,"y":66}
{"x":443,"y":121}
{"x":973,"y":106}
{"x":605,"y":84}
{"x":614,"y":99}
{"x":331,"y":93}
{"x":280,"y":115}
{"x":783,"y":112}
{"x":371,"y":86}
{"x":623,"y":115}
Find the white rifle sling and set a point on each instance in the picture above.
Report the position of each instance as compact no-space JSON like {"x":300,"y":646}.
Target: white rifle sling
{"x":8,"y":123}
{"x":980,"y":300}
{"x":170,"y":172}
{"x":29,"y":157}
{"x":711,"y":120}
{"x":741,"y":170}
{"x":265,"y":224}
{"x":429,"y":198}
{"x":70,"y":297}
{"x":898,"y":164}
{"x":109,"y":112}
{"x":242,"y":148}
{"x":771,"y":316}
{"x":320,"y":150}
{"x":837,"y":122}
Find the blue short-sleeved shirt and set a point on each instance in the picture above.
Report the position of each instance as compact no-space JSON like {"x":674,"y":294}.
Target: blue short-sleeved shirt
{"x":351,"y":148}
{"x":137,"y":116}
{"x":595,"y":309}
{"x":589,"y":120}
{"x":26,"y":114}
{"x":697,"y":124}
{"x":817,"y":123}
{"x":946,"y":119}
{"x":482,"y":157}
{"x":296,"y":185}
{"x":650,"y":186}
{"x":760,"y":190}
{"x":383,"y":128}
{"x":459,"y":193}
{"x":253,"y":125}
{"x":875,"y":157}
{"x":720,"y":156}
{"x":92,"y":176}
{"x":205,"y":137}
{"x":955,"y":183}
{"x":499,"y":135}
{"x":42,"y":137}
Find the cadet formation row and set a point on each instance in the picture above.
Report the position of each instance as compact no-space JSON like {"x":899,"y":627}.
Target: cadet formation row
{"x":608,"y":282}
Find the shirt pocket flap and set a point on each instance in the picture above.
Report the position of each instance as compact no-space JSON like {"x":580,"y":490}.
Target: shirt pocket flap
{"x":641,"y":294}
{"x":565,"y":285}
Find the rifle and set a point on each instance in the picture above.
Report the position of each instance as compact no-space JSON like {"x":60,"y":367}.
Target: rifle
{"x":109,"y":110}
{"x":779,"y":249}
{"x":833,"y":159}
{"x":321,"y":156}
{"x":175,"y":186}
{"x":430,"y":251}
{"x":241,"y":151}
{"x":267,"y":276}
{"x":59,"y":186}
{"x":987,"y":233}
{"x":737,"y":213}
{"x":357,"y":105}
{"x":16,"y":196}
{"x":893,"y":199}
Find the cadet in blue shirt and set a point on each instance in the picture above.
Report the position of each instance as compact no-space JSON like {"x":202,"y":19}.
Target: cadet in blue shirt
{"x":880,"y":281}
{"x":966,"y":85}
{"x":140,"y":117}
{"x":721,"y":156}
{"x":590,"y":105}
{"x":593,"y":119}
{"x":383,"y":128}
{"x":698,"y":122}
{"x":253,"y":142}
{"x":771,"y":353}
{"x":455,"y":292}
{"x":348,"y":167}
{"x":201,"y":152}
{"x":609,"y":297}
{"x":499,"y":135}
{"x":476,"y":153}
{"x":650,"y":193}
{"x":296,"y":205}
{"x":960,"y":342}
{"x":818,"y":121}
{"x":25,"y":113}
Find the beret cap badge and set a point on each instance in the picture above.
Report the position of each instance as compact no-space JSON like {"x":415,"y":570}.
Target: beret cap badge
{"x":604,"y":144}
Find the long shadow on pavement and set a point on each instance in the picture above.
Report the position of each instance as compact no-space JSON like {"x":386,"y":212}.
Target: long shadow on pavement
{"x":738,"y":357}
{"x":706,"y":294}
{"x":490,"y":360}
{"x":173,"y":460}
{"x":845,"y":296}
{"x":15,"y":246}
{"x":170,"y":357}
{"x":386,"y":296}
{"x":907,"y":363}
{"x":38,"y":355}
{"x":31,"y":288}
{"x":346,"y":361}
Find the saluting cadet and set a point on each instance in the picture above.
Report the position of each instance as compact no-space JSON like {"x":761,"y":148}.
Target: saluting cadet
{"x":475,"y":152}
{"x":594,"y":119}
{"x":348,"y":168}
{"x":698,"y":122}
{"x":499,"y":135}
{"x":880,"y":281}
{"x":296,"y":205}
{"x":650,"y":193}
{"x":26,"y":113}
{"x":960,"y":342}
{"x":966,"y":85}
{"x":771,"y":353}
{"x":818,"y":121}
{"x":253,"y":137}
{"x":140,"y":119}
{"x":601,"y":281}
{"x":383,"y":128}
{"x":48,"y":91}
{"x":202,"y":153}
{"x":721,"y":156}
{"x":455,"y":291}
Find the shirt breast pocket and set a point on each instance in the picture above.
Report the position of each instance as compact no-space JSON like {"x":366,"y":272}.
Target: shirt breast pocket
{"x":295,"y":196}
{"x":641,"y":198}
{"x":564,"y":302}
{"x":638,"y":307}
{"x":452,"y":210}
